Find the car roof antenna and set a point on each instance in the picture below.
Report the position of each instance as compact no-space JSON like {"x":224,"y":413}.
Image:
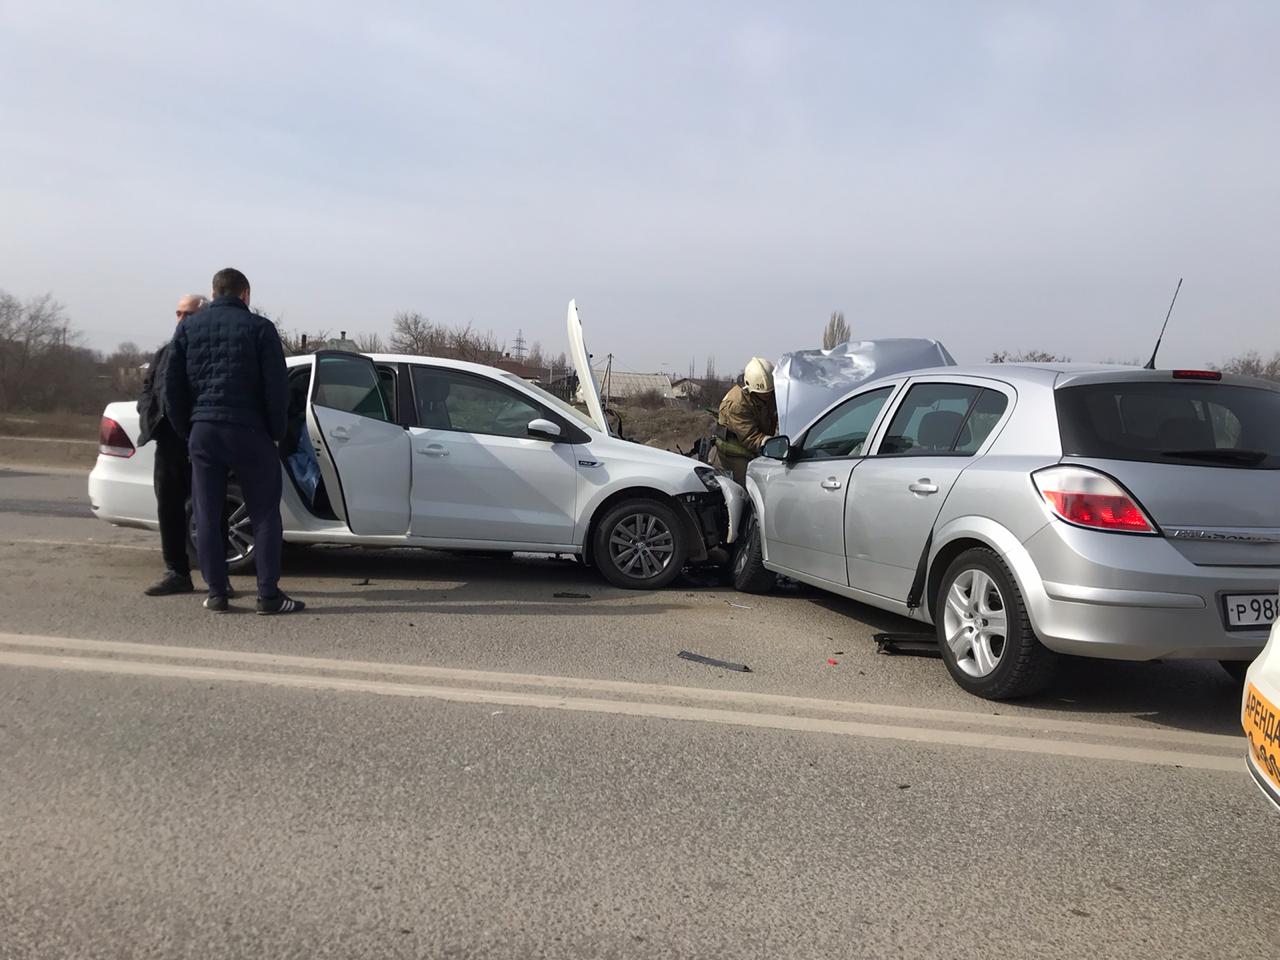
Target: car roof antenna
{"x":1151,"y":364}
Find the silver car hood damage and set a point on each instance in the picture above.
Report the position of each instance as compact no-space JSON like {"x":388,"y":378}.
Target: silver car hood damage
{"x":806,"y":382}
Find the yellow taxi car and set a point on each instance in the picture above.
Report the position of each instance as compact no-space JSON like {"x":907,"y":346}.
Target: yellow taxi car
{"x":1260,"y":717}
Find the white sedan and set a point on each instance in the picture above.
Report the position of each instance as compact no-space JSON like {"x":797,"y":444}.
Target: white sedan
{"x":392,"y":450}
{"x":1260,"y":717}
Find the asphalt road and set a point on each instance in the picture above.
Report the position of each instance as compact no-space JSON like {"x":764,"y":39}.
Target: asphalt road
{"x":444,"y":758}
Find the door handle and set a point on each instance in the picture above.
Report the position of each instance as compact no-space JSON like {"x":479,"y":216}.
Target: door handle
{"x":923,"y":486}
{"x":434,"y":450}
{"x":340,"y":433}
{"x":831,"y":483}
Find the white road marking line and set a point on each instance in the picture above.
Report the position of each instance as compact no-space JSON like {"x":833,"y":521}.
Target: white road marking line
{"x":661,"y":711}
{"x":1024,"y":724}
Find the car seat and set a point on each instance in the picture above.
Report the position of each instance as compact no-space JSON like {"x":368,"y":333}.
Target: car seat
{"x":939,"y":430}
{"x":433,"y":396}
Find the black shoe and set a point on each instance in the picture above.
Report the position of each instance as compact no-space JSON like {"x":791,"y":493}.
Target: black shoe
{"x":168,"y":585}
{"x":270,"y":606}
{"x":216,"y":603}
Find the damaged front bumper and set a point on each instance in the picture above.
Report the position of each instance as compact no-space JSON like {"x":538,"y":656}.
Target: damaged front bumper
{"x":715,"y":516}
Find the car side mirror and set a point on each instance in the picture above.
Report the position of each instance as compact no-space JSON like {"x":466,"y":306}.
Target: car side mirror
{"x":777,"y":448}
{"x":544,"y":430}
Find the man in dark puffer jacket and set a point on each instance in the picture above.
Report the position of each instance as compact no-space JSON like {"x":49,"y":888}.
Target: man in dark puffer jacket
{"x":226,"y":390}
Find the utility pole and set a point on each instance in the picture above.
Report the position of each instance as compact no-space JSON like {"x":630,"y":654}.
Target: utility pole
{"x":608,"y":374}
{"x":518,"y":351}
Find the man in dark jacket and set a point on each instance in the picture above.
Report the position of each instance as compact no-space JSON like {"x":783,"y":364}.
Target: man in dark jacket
{"x":172,"y":475}
{"x":227,"y":391}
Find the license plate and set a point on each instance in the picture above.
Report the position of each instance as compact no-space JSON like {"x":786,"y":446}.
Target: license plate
{"x":1251,"y":609}
{"x":1261,"y":722}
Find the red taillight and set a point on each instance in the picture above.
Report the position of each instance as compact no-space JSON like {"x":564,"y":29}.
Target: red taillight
{"x":1197,"y":375}
{"x":1091,"y":499}
{"x":113,"y":441}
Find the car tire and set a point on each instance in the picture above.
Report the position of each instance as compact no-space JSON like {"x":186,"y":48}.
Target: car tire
{"x":749,"y":573}
{"x":240,"y":552}
{"x":989,"y":662}
{"x":640,"y":544}
{"x":1235,"y":669}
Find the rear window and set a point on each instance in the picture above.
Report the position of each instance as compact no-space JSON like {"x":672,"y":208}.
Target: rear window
{"x":1199,"y":424}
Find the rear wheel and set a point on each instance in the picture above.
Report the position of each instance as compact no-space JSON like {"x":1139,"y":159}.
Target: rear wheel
{"x":240,"y":552}
{"x":749,"y":573}
{"x":640,"y":544}
{"x":984,"y":632}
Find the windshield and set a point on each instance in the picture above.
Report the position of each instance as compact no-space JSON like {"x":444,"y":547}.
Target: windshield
{"x":1195,"y":424}
{"x":551,"y":400}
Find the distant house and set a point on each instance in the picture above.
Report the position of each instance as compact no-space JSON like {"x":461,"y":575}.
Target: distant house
{"x":520,"y":369}
{"x":686,"y":389}
{"x":617,"y":384}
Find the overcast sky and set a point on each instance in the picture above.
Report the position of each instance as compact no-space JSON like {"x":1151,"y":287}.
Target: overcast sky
{"x":705,"y":178}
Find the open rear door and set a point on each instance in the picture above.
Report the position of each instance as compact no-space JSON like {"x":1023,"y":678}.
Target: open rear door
{"x":363,"y":452}
{"x":582,"y":366}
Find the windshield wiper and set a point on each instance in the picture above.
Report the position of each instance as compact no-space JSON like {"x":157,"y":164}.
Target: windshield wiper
{"x":1224,"y":454}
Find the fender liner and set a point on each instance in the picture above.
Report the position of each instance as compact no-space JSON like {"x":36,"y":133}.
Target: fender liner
{"x":922,"y":571}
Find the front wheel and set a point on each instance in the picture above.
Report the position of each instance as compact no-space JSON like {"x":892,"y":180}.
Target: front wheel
{"x":240,"y":552}
{"x":984,"y":632}
{"x":640,"y":544}
{"x":749,"y":573}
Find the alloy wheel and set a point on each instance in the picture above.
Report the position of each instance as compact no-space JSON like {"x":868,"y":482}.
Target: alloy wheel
{"x":975,"y":622}
{"x":641,"y":545}
{"x":239,"y":529}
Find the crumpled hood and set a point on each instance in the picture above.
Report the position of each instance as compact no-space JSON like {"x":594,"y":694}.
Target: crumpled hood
{"x":806,"y":382}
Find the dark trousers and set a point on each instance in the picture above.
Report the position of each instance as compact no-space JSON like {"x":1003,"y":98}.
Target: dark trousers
{"x":172,"y":478}
{"x":250,"y":454}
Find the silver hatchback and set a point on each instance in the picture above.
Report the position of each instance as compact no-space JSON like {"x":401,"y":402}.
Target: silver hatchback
{"x":1031,"y":511}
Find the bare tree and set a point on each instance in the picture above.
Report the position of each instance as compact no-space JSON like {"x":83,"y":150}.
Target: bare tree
{"x":413,"y":333}
{"x":535,"y":359}
{"x":370,"y":343}
{"x":1253,"y":364}
{"x":836,"y":332}
{"x":1029,"y":356}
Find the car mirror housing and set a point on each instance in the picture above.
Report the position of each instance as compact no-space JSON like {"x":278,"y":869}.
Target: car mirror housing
{"x":777,"y":448}
{"x":544,"y":429}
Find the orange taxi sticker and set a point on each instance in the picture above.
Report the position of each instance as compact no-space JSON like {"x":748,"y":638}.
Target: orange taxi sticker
{"x":1261,"y":722}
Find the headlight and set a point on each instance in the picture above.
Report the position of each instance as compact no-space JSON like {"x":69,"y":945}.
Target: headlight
{"x":710,"y":476}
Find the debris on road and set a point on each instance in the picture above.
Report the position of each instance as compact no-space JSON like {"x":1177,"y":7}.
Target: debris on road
{"x":920,"y":644}
{"x":712,"y":662}
{"x":831,"y":662}
{"x":564,"y":595}
{"x":361,"y":583}
{"x":740,"y":606}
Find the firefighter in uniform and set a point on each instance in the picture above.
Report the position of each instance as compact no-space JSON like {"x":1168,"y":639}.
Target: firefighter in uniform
{"x":748,"y":417}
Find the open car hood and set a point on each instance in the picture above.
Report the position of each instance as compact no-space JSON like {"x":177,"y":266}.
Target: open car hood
{"x":806,"y":382}
{"x":587,"y":385}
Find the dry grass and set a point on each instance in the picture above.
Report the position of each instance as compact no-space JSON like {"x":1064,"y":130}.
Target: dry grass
{"x":669,"y":427}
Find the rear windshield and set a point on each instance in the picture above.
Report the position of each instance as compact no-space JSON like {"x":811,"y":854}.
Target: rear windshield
{"x":1199,"y":424}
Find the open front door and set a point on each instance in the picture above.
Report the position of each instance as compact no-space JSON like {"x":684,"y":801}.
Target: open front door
{"x":364,"y":453}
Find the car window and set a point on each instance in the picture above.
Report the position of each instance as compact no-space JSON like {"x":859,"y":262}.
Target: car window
{"x":843,"y":431}
{"x":984,"y":416}
{"x":387,"y":381}
{"x":448,"y":400}
{"x":350,"y":383}
{"x":1194,"y":424}
{"x":931,"y":421}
